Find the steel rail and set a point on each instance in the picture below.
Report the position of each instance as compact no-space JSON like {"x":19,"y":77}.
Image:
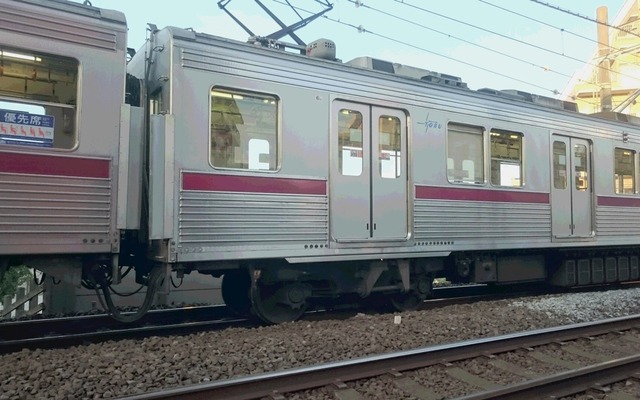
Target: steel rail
{"x":43,"y":332}
{"x":57,"y":341}
{"x":95,"y":333}
{"x":21,"y":328}
{"x":256,"y":386}
{"x":67,"y":331}
{"x":63,"y":332}
{"x":40,"y":327}
{"x":565,"y":383}
{"x":36,"y":327}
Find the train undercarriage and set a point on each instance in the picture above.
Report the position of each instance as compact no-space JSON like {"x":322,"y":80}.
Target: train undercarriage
{"x":275,"y":291}
{"x":278,"y":292}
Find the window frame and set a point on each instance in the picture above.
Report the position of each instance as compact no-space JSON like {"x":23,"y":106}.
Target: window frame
{"x":634,"y":171}
{"x":554,"y":166}
{"x":277,"y":134}
{"x":65,"y":112}
{"x":396,"y":137}
{"x":461,"y":129}
{"x":342,"y":144}
{"x":492,"y":158}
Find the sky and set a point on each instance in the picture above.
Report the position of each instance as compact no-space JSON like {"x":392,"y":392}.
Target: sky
{"x":499,"y":44}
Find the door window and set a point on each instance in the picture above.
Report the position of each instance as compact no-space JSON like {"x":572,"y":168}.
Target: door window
{"x":559,"y":165}
{"x":390,"y":147}
{"x":581,"y":167}
{"x":350,"y":156}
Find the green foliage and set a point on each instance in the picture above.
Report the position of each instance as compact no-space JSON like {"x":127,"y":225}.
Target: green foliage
{"x":13,"y":278}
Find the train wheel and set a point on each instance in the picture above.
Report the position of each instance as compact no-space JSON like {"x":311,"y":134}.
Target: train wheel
{"x":236,"y":289}
{"x":281,"y":302}
{"x":412,"y":299}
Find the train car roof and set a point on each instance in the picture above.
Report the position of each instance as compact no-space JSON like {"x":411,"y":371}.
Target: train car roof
{"x":454,"y":85}
{"x":86,"y":10}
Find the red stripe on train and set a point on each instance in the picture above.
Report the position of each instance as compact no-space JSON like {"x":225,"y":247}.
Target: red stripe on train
{"x":259,"y":184}
{"x":496,"y":195}
{"x":618,"y":201}
{"x":37,"y":164}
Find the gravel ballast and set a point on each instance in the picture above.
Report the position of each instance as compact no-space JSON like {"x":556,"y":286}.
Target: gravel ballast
{"x":114,"y":369}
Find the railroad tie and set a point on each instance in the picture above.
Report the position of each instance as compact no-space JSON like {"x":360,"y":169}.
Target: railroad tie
{"x":620,"y":396}
{"x":546,"y":358}
{"x":344,"y":392}
{"x":630,"y":338}
{"x":416,"y":390}
{"x":585,"y":354}
{"x":465,"y":376}
{"x":612,"y":348}
{"x":513,"y":368}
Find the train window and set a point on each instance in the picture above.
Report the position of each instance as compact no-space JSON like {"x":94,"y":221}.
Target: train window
{"x":465,"y":154}
{"x":506,"y":158}
{"x":390,"y":142}
{"x":38,"y":94}
{"x":581,"y":167}
{"x":244,"y":132}
{"x":624,"y":171}
{"x":350,"y":142}
{"x":559,"y":165}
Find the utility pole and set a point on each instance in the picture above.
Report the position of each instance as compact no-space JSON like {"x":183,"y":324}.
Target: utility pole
{"x":604,"y":70}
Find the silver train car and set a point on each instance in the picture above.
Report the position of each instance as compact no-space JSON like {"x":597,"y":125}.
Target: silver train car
{"x":298,"y":178}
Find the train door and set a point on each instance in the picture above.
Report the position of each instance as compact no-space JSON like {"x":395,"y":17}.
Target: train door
{"x":571,"y":188}
{"x":368,"y":195}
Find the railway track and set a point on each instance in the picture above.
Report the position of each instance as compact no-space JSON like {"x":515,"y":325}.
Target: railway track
{"x":30,"y":328}
{"x":69,"y":331}
{"x":576,"y":357}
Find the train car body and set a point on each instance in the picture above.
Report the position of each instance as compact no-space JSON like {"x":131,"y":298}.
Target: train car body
{"x":300,"y":178}
{"x":61,"y":92}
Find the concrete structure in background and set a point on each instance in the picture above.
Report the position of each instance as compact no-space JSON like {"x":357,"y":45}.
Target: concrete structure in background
{"x":614,"y":67}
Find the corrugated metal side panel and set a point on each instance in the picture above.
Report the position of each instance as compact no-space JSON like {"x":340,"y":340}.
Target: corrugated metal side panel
{"x":195,"y":60}
{"x":39,"y":23}
{"x":617,"y":221}
{"x":222,"y":219}
{"x":473,"y":220}
{"x":46,"y":210}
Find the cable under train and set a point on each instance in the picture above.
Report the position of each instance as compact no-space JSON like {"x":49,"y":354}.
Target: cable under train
{"x":298,"y":178}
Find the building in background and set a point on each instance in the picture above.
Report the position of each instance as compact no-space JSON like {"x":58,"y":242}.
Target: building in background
{"x":614,"y":70}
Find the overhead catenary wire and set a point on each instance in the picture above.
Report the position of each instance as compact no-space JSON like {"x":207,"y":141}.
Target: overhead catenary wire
{"x":360,"y":4}
{"x":575,"y":14}
{"x":361,"y":29}
{"x":528,"y":62}
{"x":551,"y":26}
{"x":406,"y":3}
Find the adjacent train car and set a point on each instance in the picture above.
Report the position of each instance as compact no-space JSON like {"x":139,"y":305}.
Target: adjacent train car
{"x":62,"y":88}
{"x":298,"y":178}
